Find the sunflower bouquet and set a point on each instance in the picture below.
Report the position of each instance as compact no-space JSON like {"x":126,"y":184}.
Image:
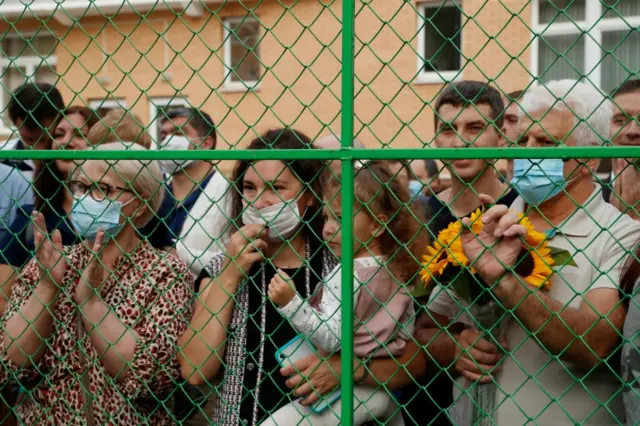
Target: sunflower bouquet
{"x":446,"y":264}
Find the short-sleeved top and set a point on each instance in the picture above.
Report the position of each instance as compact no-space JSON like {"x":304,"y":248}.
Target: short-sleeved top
{"x":17,"y":246}
{"x":150,"y":294}
{"x":15,"y":191}
{"x":541,"y":386}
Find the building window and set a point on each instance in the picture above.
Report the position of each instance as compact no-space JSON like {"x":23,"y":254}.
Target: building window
{"x":241,"y":53}
{"x":24,"y":59}
{"x":158,"y":109}
{"x":593,"y":39}
{"x":102,"y":106}
{"x":439,"y":41}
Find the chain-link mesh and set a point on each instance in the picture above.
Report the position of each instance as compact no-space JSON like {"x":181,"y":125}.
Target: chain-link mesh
{"x":189,"y":216}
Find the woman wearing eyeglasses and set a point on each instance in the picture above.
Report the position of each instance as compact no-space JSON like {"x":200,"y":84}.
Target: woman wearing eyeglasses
{"x":78,"y":129}
{"x":91,"y":330}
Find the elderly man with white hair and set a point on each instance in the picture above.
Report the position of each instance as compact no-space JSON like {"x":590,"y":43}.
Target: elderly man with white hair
{"x":558,"y":341}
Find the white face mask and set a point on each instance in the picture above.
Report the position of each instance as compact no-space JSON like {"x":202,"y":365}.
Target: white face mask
{"x":175,"y":143}
{"x":283,"y":219}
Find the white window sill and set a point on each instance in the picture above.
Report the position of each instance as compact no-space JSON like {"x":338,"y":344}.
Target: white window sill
{"x":240,"y":87}
{"x":438,"y":78}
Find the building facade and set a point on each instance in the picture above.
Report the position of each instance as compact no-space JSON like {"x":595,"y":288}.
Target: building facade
{"x":257,"y":65}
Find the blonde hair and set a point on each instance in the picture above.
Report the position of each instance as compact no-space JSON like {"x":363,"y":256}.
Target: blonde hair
{"x":143,"y":177}
{"x":119,"y":125}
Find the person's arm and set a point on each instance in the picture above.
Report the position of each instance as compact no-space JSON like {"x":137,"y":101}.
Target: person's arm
{"x":29,"y":319}
{"x":395,"y":373}
{"x":435,"y":333}
{"x":204,"y":342}
{"x":315,"y":376}
{"x":323,"y":326}
{"x":7,"y":280}
{"x":584,"y":335}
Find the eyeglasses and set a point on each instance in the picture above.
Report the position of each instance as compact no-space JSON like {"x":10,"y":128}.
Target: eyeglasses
{"x":99,"y":191}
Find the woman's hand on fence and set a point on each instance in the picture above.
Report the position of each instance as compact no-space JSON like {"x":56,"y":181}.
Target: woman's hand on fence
{"x":93,"y":276}
{"x":49,"y":253}
{"x":476,"y":358}
{"x":281,"y":289}
{"x":312,"y":377}
{"x":245,"y":248}
{"x":498,"y":245}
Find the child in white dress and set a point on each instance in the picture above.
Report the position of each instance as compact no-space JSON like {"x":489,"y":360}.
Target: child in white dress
{"x":386,"y":234}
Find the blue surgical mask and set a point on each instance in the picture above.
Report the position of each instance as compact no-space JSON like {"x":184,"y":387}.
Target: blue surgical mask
{"x":538,"y":180}
{"x":415,"y":187}
{"x":88,"y":216}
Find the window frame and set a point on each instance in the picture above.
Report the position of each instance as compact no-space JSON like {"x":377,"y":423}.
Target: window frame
{"x":434,"y":77}
{"x":155,"y":103}
{"x":96,"y":103}
{"x":229,"y":85}
{"x":30,"y":65}
{"x":593,"y":25}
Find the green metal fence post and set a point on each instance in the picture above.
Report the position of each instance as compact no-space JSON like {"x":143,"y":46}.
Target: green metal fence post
{"x":346,"y":139}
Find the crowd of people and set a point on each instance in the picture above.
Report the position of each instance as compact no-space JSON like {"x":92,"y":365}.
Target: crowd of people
{"x":128,"y":285}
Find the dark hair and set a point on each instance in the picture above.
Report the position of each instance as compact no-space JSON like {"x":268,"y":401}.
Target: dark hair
{"x":48,"y":182}
{"x":629,"y":86}
{"x":308,"y":172}
{"x":201,"y":122}
{"x":90,"y":116}
{"x":377,"y":192}
{"x":469,"y":92}
{"x":630,"y":272}
{"x":35,"y":103}
{"x":515,"y":95}
{"x":432,"y":167}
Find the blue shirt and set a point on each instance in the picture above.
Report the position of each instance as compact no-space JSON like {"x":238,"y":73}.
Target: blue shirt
{"x":26,"y":166}
{"x":17,"y":247}
{"x":15,"y":190}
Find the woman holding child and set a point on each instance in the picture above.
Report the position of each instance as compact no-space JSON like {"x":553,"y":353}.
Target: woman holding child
{"x":279,"y":219}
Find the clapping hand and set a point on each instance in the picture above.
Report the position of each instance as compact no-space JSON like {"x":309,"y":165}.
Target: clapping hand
{"x":93,"y":276}
{"x":49,"y":253}
{"x":281,"y":289}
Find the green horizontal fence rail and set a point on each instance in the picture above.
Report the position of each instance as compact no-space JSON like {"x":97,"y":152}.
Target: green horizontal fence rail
{"x":347,"y":155}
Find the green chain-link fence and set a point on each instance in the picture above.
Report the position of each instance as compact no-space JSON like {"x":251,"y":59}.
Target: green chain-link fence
{"x":184,"y":323}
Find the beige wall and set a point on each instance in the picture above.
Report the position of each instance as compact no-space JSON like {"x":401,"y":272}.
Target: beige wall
{"x":390,"y":108}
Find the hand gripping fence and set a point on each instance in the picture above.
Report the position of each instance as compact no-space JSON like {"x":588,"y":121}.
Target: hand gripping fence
{"x":136,"y":338}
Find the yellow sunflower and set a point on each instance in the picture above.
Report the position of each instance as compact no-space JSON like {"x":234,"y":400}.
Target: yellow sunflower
{"x":533,"y":237}
{"x":542,"y":262}
{"x":433,"y":264}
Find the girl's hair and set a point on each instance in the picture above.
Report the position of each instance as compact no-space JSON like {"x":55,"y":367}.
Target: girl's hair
{"x":379,"y":192}
{"x":630,"y":272}
{"x":47,"y":179}
{"x":306,"y":171}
